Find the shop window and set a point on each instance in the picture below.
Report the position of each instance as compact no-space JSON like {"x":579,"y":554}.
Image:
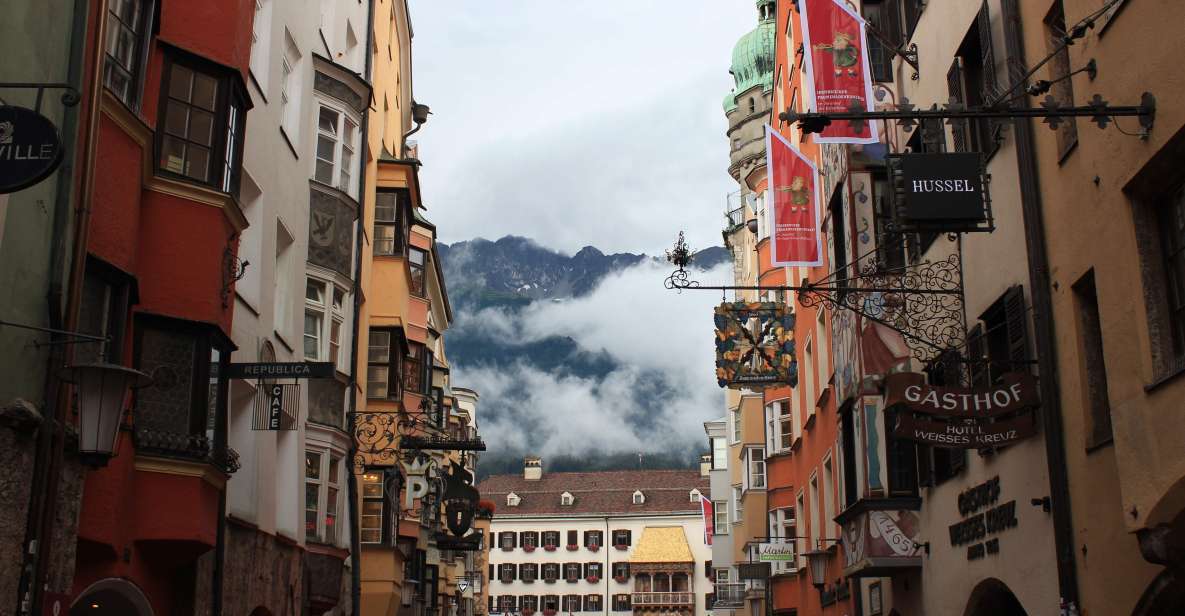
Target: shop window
{"x":128,"y":32}
{"x":200,"y":127}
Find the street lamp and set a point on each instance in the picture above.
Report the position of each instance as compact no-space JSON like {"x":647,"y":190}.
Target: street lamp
{"x":102,"y":390}
{"x":817,"y":561}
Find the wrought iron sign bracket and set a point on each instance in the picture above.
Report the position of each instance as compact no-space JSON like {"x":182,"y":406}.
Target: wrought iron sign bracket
{"x":909,"y":55}
{"x":71,"y":337}
{"x":1051,"y":112}
{"x":70,"y":96}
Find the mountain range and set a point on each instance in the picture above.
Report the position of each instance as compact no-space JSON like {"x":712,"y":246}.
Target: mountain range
{"x":492,"y":282}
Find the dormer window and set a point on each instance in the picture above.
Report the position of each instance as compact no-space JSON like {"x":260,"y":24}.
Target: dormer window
{"x":639,"y":498}
{"x":696,"y":495}
{"x":512,"y":500}
{"x":566,"y":499}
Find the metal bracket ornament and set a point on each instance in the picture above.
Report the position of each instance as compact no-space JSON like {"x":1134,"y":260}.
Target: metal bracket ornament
{"x":233,"y":269}
{"x":922,"y":301}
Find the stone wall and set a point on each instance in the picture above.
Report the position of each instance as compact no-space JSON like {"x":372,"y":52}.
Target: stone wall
{"x":260,"y":570}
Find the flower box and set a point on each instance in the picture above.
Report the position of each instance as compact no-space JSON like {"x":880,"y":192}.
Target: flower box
{"x":548,"y":612}
{"x":621,"y":546}
{"x":549,"y":580}
{"x":594,"y":547}
{"x":573,"y":548}
{"x":507,"y":548}
{"x":549,"y":548}
{"x":528,"y":612}
{"x":620,"y":579}
{"x":592,"y":579}
{"x":528,"y":548}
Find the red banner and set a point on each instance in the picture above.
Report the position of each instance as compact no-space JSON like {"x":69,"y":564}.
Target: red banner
{"x":838,"y":77}
{"x":793,"y":205}
{"x":708,"y":510}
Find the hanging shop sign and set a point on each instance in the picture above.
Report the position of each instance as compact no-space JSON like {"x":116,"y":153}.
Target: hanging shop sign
{"x":416,"y":482}
{"x":793,"y":212}
{"x":940,"y":192}
{"x":1016,"y":391}
{"x":966,"y":433}
{"x":30,"y":148}
{"x":776,"y":552}
{"x":755,"y":345}
{"x":281,"y":370}
{"x":460,"y":500}
{"x":838,"y":77}
{"x":276,"y":406}
{"x":982,"y":518}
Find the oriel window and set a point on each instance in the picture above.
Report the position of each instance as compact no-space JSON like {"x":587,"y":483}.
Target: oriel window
{"x":417,"y":260}
{"x":128,"y":24}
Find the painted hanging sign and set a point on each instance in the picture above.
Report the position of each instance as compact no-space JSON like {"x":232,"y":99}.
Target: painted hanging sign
{"x":838,"y":78}
{"x":793,"y":205}
{"x":30,"y":148}
{"x":460,"y":500}
{"x":1016,"y":391}
{"x":755,"y":345}
{"x":966,"y":433}
{"x":878,"y":542}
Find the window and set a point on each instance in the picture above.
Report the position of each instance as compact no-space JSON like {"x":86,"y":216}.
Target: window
{"x":528,"y":572}
{"x":621,"y":571}
{"x":382,"y":361}
{"x":756,"y":476}
{"x":1003,"y":346}
{"x":572,"y":538}
{"x":566,"y":499}
{"x":816,"y":521}
{"x":336,"y":142}
{"x":971,"y":80}
{"x":506,"y":572}
{"x":621,"y":538}
{"x":417,"y":368}
{"x":551,"y":572}
{"x":314,"y":320}
{"x":825,"y":493}
{"x":848,"y":438}
{"x":593,"y":539}
{"x":290,"y":89}
{"x":528,"y":603}
{"x":639,"y":498}
{"x":694,"y":495}
{"x":551,"y":603}
{"x":1097,"y":400}
{"x":572,"y":603}
{"x":736,"y":425}
{"x":738,"y":508}
{"x":127,"y":28}
{"x":529,"y":539}
{"x":719,"y":453}
{"x":416,"y":260}
{"x":809,"y":379}
{"x":1061,"y":88}
{"x":1171,"y":213}
{"x":370,"y":526}
{"x":512,"y":500}
{"x":506,"y":540}
{"x":507,"y":603}
{"x":103,"y":313}
{"x":887,"y":22}
{"x":890,"y":245}
{"x":322,"y":481}
{"x":323,"y":321}
{"x":571,"y":572}
{"x":783,"y":530}
{"x":592,"y":571}
{"x":388,"y":233}
{"x":260,"y":42}
{"x":900,"y":460}
{"x":551,"y":539}
{"x":621,"y":603}
{"x":720,"y":511}
{"x":202,"y":119}
{"x":593,"y":603}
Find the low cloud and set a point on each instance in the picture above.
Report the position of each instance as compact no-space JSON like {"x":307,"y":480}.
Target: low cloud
{"x":656,"y":398}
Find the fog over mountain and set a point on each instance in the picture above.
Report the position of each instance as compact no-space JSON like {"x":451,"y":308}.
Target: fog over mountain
{"x":584,"y":359}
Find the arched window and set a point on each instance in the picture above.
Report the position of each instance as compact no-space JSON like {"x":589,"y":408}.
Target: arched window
{"x":752,"y":105}
{"x":639,"y":498}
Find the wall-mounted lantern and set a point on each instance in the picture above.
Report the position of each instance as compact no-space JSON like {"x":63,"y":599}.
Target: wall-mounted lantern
{"x":102,"y":391}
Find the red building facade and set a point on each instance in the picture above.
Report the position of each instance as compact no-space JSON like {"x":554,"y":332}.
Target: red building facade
{"x":162,"y":227}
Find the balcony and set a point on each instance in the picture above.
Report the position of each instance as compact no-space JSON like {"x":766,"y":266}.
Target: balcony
{"x":677,"y":598}
{"x":730,"y":595}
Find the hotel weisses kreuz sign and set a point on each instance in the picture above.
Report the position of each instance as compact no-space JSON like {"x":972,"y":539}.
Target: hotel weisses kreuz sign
{"x":960,"y":417}
{"x":30,"y":148}
{"x":755,"y":345}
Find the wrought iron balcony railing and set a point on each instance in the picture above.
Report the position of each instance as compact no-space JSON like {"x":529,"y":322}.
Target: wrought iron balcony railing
{"x":196,"y":447}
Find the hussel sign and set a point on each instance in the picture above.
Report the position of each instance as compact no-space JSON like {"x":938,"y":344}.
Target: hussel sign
{"x":963,"y":418}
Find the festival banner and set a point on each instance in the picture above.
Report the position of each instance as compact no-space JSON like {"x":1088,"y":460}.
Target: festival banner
{"x":755,"y":345}
{"x":838,"y":77}
{"x":706,"y":506}
{"x":793,"y":201}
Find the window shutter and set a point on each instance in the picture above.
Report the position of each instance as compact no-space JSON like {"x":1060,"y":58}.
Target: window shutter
{"x":954,"y":86}
{"x":925,"y":466}
{"x":629,"y":537}
{"x":1017,"y":326}
{"x":492,"y":571}
{"x":976,"y":357}
{"x":515,"y":536}
{"x":492,"y":604}
{"x":988,"y":58}
{"x":958,"y":460}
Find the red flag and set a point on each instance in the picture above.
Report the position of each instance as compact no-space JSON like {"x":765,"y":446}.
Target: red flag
{"x":708,"y":510}
{"x":837,"y":69}
{"x":793,"y":204}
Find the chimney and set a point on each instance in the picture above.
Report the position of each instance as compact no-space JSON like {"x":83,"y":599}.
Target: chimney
{"x":532,"y":468}
{"x":705,"y":464}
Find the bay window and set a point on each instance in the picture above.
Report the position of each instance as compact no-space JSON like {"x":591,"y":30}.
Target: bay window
{"x":324,"y":319}
{"x":719,"y":453}
{"x":128,"y":26}
{"x":389,"y":233}
{"x":779,"y":428}
{"x":720,"y":513}
{"x":417,"y":369}
{"x":755,"y":479}
{"x":373,"y":504}
{"x":322,"y":493}
{"x":416,"y":260}
{"x":200,"y":126}
{"x":382,"y":364}
{"x":337,"y":135}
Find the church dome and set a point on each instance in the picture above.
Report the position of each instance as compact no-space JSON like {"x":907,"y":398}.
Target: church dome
{"x":753,"y":56}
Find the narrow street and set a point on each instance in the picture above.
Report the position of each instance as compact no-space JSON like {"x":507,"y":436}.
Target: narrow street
{"x":424,"y":308}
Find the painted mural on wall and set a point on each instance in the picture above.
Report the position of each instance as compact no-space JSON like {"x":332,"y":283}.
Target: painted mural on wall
{"x":882,"y":539}
{"x":755,"y":345}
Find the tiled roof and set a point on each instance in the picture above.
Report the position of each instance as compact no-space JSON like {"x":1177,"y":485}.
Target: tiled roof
{"x":662,"y":544}
{"x":597,"y":492}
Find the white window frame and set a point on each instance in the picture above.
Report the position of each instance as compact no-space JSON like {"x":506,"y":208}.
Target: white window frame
{"x":372,"y":478}
{"x":566,"y":499}
{"x":719,"y":453}
{"x":639,"y":498}
{"x":779,"y":426}
{"x":720,"y":510}
{"x":328,"y":314}
{"x":735,"y":432}
{"x":799,"y":509}
{"x":695,"y":495}
{"x":328,"y":480}
{"x":344,"y":136}
{"x":826,"y":488}
{"x":290,"y":89}
{"x":782,"y":530}
{"x":261,"y":26}
{"x":821,"y":350}
{"x":512,"y":500}
{"x":738,"y":506}
{"x":809,"y":389}
{"x":755,"y":478}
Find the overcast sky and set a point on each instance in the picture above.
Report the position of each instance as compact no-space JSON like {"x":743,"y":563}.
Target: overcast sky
{"x":576,"y":122}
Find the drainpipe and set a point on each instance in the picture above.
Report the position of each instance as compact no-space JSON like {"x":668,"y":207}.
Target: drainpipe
{"x":351,"y":477}
{"x":51,"y":435}
{"x":1038,"y":262}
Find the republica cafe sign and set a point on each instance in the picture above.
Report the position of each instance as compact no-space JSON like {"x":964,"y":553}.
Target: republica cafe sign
{"x":963,"y":418}
{"x":30,"y":148}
